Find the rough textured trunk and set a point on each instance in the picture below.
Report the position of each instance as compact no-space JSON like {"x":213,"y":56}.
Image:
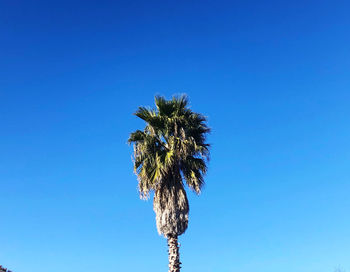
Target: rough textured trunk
{"x":174,"y":255}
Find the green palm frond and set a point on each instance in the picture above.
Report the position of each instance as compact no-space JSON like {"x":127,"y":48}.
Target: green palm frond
{"x":173,"y":144}
{"x":193,"y":170}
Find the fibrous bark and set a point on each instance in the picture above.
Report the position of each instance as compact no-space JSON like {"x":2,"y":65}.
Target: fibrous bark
{"x":174,"y":255}
{"x":171,"y":207}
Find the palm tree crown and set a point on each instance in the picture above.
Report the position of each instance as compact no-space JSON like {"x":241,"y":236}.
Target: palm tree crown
{"x":169,"y":152}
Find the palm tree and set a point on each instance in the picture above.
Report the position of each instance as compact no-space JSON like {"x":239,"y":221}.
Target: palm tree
{"x":169,"y":152}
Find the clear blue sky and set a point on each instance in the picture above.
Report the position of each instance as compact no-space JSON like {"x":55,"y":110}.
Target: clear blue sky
{"x":273,"y":77}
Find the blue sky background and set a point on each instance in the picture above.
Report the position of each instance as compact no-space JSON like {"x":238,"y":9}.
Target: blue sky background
{"x":273,"y":78}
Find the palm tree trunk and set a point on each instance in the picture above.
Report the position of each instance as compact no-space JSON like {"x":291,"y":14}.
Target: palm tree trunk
{"x":174,"y":255}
